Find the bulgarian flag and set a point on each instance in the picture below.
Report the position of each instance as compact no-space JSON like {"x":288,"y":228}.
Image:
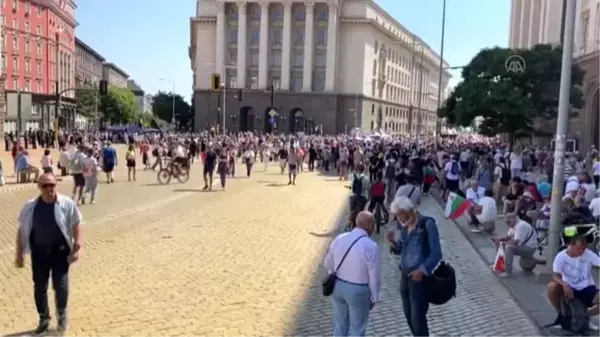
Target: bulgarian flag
{"x":456,"y":206}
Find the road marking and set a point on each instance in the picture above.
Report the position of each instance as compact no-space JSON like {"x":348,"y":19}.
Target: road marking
{"x":129,"y":212}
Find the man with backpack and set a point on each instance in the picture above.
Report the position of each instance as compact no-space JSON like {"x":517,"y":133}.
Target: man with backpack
{"x":452,"y":174}
{"x":572,"y":290}
{"x":360,"y":192}
{"x":421,"y":252}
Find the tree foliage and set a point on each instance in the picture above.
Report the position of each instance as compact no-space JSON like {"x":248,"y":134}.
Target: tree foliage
{"x":162,"y":107}
{"x":119,"y":106}
{"x":510,"y":102}
{"x":88,"y":102}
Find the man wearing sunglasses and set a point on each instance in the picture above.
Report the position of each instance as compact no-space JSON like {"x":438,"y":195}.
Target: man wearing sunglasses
{"x":50,"y":230}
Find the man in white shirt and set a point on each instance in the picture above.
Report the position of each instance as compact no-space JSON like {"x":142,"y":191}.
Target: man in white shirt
{"x":410,"y":190}
{"x":355,"y":259}
{"x":475,"y":192}
{"x":452,"y":175}
{"x":483,"y":215}
{"x":523,"y":243}
{"x":595,"y":206}
{"x":573,"y":276}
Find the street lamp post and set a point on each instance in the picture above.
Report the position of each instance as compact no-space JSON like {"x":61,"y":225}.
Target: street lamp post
{"x":439,"y":95}
{"x":561,"y":135}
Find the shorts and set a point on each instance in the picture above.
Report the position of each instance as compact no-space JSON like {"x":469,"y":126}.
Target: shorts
{"x":131,"y":163}
{"x":78,"y":179}
{"x":208,"y":170}
{"x":452,"y":185}
{"x":108,"y":167}
{"x":586,"y":295}
{"x":292,"y":168}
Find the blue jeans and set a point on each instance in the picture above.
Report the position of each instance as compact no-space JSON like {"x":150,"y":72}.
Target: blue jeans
{"x":415,"y":304}
{"x":351,"y":307}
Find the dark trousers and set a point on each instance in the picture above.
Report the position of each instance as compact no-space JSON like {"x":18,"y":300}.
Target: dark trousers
{"x":415,"y":304}
{"x":47,"y":261}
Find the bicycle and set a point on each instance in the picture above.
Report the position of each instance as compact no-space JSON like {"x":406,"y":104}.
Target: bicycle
{"x":589,"y":231}
{"x":381,"y":218}
{"x":181,"y":173}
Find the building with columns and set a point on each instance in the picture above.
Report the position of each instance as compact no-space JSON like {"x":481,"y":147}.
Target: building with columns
{"x":542,"y":21}
{"x":334,"y":65}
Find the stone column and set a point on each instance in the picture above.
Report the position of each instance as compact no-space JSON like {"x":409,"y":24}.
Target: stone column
{"x":263,"y":65}
{"x":308,"y":46}
{"x":332,"y":28}
{"x":241,"y":45}
{"x":286,"y":45}
{"x":220,"y":46}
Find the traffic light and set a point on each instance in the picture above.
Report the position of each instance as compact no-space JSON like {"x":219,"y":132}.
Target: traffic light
{"x":103,"y":87}
{"x":240,"y":95}
{"x":216,"y":82}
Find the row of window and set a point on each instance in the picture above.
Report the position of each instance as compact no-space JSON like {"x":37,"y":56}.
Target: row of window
{"x":39,"y":89}
{"x":296,"y":81}
{"x":55,"y":21}
{"x":275,"y":57}
{"x":15,"y":6}
{"x":276,"y":36}
{"x":276,"y":14}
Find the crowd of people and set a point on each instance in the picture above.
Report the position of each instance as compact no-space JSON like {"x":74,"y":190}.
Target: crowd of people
{"x":390,"y":172}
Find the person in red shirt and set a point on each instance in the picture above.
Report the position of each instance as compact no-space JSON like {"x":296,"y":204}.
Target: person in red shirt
{"x":144,"y":149}
{"x":378,"y":195}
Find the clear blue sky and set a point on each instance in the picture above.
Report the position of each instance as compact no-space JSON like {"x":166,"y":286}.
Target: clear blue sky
{"x":149,"y":39}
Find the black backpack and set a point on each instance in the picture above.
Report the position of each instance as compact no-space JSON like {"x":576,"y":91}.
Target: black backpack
{"x":357,"y":186}
{"x":505,"y":176}
{"x":441,"y":286}
{"x":572,"y":316}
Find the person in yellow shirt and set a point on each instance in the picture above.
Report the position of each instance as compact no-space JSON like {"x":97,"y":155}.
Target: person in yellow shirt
{"x":130,"y":158}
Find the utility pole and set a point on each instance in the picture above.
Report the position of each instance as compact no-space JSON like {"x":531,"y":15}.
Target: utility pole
{"x":438,"y":128}
{"x":561,"y":135}
{"x":56,"y":77}
{"x":19,"y":114}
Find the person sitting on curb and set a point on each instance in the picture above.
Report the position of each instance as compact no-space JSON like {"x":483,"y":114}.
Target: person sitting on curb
{"x":522,"y":243}
{"x":483,"y":215}
{"x":572,"y":277}
{"x":25,"y":169}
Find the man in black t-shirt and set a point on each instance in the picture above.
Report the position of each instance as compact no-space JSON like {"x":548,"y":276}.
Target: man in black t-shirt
{"x":210,"y":162}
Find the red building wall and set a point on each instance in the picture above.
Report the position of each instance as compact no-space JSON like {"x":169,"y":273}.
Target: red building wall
{"x":31,"y":26}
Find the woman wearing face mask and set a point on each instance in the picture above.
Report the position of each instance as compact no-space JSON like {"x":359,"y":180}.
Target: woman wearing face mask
{"x":419,"y":247}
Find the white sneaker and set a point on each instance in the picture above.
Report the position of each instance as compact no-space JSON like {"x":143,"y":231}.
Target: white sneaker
{"x":592,"y":326}
{"x":476,"y":230}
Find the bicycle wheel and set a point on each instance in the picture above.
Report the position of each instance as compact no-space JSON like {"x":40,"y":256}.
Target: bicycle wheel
{"x":163,"y":176}
{"x":183,"y":176}
{"x":378,"y":218}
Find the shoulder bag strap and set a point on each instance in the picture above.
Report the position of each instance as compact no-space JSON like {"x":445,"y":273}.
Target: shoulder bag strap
{"x":529,"y":237}
{"x":348,"y":251}
{"x":411,"y":192}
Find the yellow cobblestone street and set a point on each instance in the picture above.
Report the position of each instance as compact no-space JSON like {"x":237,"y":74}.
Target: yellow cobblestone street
{"x":169,"y":260}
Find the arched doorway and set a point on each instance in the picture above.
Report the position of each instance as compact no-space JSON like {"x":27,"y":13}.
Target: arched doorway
{"x":379,"y":118}
{"x":246,"y":118}
{"x":271,"y":120}
{"x":297,"y":120}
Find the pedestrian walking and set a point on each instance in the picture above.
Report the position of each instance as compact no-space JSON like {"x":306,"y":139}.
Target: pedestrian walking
{"x":355,"y":259}
{"x":50,"y":230}
{"x":420,"y":250}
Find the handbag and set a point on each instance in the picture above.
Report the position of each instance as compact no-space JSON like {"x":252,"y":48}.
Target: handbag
{"x":329,"y":282}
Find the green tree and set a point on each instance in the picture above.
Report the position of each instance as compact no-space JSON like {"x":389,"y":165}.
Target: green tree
{"x":162,"y":107}
{"x":88,"y":101}
{"x":119,"y":106}
{"x":510,"y":102}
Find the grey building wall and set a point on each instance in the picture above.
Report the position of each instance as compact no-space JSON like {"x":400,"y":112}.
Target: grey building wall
{"x":331,"y":111}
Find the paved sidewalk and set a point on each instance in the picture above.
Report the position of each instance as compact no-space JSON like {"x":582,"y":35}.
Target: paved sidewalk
{"x":482,"y":307}
{"x":528,"y":289}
